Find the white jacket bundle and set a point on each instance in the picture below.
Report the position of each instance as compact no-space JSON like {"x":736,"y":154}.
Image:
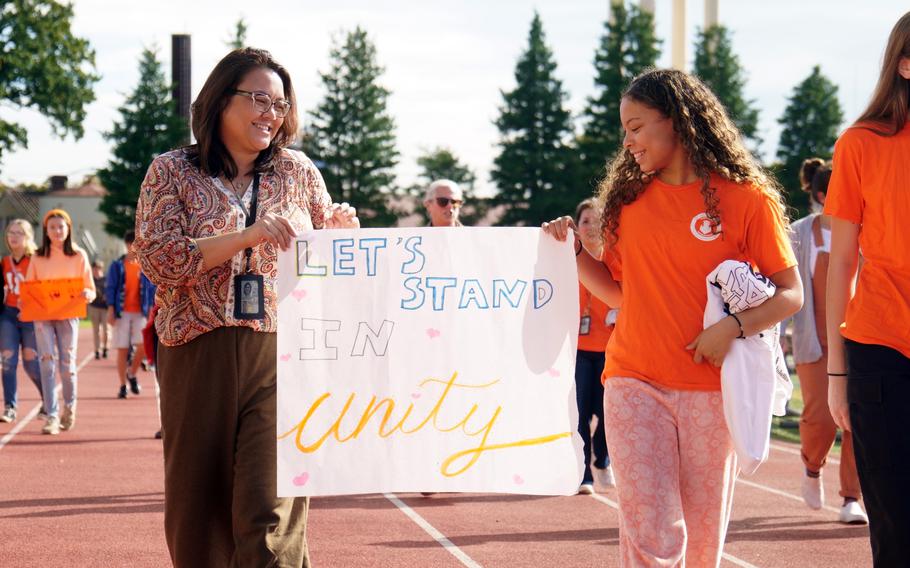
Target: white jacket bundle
{"x":754,"y":377}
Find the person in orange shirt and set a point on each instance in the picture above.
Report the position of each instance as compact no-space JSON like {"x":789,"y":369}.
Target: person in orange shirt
{"x":14,"y":333}
{"x":59,"y":258}
{"x":130,"y":296}
{"x":593,"y":332}
{"x":869,"y":315}
{"x":683,"y":196}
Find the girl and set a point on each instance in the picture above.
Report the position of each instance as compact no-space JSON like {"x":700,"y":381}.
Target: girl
{"x":683,"y":196}
{"x":869,"y":317}
{"x":58,"y":258}
{"x":811,"y":240}
{"x":593,"y":333}
{"x":20,"y":240}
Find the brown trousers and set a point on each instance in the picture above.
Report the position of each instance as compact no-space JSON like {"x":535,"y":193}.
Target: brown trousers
{"x":218,"y":414}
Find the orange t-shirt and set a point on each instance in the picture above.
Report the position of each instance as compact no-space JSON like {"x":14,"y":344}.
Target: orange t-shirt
{"x":870,"y":186}
{"x":599,"y":331}
{"x":131,"y":301}
{"x":665,"y":251}
{"x":13,"y":274}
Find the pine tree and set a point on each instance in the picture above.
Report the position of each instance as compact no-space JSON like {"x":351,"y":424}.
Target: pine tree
{"x":719,"y":68}
{"x":535,"y":170}
{"x":351,"y":132}
{"x":238,"y":40}
{"x":149,"y":125}
{"x":43,"y":66}
{"x":810,"y":125}
{"x":442,"y":163}
{"x":627,"y":47}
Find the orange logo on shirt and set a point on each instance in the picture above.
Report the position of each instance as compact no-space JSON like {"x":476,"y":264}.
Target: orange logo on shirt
{"x":703,"y":228}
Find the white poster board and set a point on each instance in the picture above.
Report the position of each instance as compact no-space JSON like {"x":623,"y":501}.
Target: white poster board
{"x":427,"y":360}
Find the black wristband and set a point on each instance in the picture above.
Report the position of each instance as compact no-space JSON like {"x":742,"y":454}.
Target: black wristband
{"x":837,"y":374}
{"x":742,"y":333}
{"x":580,"y":246}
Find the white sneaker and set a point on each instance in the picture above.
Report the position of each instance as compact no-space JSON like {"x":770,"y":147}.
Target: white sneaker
{"x":604,"y":476}
{"x":852,"y":514}
{"x":586,"y":488}
{"x":68,"y":418}
{"x":52,"y":427}
{"x":813,"y":491}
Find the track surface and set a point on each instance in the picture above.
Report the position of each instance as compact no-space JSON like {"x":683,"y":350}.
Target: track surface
{"x":94,"y":497}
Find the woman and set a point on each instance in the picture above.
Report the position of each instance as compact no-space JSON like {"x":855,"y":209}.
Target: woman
{"x":683,"y":196}
{"x":811,"y":240}
{"x":868,"y":329}
{"x":59,"y":259}
{"x":97,"y":313}
{"x":210,"y":219}
{"x":594,"y":331}
{"x":16,"y":334}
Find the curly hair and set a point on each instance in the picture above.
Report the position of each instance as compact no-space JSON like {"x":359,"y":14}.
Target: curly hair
{"x":709,"y":137}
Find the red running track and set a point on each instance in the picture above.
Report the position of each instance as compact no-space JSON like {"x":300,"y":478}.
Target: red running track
{"x":94,"y":497}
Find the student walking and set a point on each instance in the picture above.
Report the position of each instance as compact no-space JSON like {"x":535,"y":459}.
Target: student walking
{"x":58,"y":259}
{"x":594,"y":331}
{"x":811,"y":240}
{"x":130,"y":297}
{"x":869,"y":313}
{"x":683,"y":196}
{"x":14,"y":333}
{"x":97,"y":313}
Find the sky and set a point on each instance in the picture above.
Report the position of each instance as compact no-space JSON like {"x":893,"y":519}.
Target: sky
{"x":446,"y":63}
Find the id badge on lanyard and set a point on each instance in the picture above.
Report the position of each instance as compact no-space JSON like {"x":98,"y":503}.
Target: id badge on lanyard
{"x":584,"y":325}
{"x":249,"y":288}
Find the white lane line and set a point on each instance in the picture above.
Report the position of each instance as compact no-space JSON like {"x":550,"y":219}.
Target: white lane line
{"x":34,"y":411}
{"x":781,"y":493}
{"x":729,"y":557}
{"x":794,"y":451}
{"x":432,"y":531}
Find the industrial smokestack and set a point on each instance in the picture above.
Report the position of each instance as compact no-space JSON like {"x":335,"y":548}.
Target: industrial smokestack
{"x":181,"y":89}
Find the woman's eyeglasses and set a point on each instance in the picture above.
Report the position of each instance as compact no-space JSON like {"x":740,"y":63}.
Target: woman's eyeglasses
{"x":264,"y":103}
{"x":444,"y":202}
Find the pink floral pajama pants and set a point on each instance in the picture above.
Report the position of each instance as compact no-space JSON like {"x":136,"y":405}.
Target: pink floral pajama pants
{"x":675,"y":469}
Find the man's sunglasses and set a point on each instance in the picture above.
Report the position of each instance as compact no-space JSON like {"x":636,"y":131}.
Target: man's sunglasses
{"x":444,"y":202}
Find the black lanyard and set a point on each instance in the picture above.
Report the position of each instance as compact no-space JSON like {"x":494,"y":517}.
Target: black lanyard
{"x":251,"y":218}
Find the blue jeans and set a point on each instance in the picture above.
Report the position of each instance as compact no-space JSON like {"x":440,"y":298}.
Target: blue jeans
{"x":13,"y":334}
{"x":589,"y":393}
{"x":57,"y":348}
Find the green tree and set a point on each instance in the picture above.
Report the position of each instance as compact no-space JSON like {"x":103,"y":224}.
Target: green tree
{"x":535,"y":168}
{"x":810,"y":124}
{"x":351,"y":132}
{"x":238,"y":40}
{"x":43,"y":66}
{"x":719,"y":68}
{"x":628,"y":46}
{"x":148,"y":125}
{"x":442,"y":163}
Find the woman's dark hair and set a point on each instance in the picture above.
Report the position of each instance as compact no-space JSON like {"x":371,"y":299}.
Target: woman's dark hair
{"x":888,"y":110}
{"x":820,"y":182}
{"x":209,"y":153}
{"x":807,"y":172}
{"x":711,"y":140}
{"x":68,"y":249}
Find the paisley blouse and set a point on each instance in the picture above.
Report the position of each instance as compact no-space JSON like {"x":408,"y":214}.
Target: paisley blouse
{"x":178,"y":203}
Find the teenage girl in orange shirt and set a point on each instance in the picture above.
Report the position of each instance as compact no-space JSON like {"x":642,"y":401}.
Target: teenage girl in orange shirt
{"x":869,"y":316}
{"x":683,"y":196}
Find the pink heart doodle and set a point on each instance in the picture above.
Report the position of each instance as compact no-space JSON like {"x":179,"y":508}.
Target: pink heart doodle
{"x":285,"y":358}
{"x":553,"y":372}
{"x":298,"y":294}
{"x":302,"y":479}
{"x":519,"y":480}
{"x":415,"y":395}
{"x":433,"y":333}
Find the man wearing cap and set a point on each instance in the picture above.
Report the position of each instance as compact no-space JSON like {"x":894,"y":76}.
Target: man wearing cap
{"x":443,"y":200}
